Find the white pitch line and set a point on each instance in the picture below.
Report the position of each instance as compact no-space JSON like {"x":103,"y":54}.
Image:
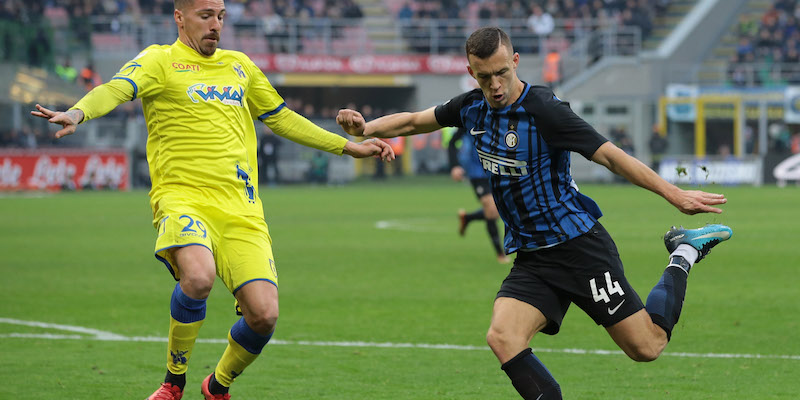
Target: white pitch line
{"x":69,"y":328}
{"x":98,"y":335}
{"x":410,"y":225}
{"x":24,"y":195}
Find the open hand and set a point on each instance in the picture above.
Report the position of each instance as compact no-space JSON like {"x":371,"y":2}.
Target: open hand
{"x":696,"y":201}
{"x":68,"y":120}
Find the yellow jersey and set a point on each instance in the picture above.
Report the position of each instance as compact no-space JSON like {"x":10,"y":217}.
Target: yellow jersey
{"x":199,"y":112}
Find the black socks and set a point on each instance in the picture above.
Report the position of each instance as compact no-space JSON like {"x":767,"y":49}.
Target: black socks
{"x":215,"y":387}
{"x":176,"y":380}
{"x":665,"y":301}
{"x":530,"y":377}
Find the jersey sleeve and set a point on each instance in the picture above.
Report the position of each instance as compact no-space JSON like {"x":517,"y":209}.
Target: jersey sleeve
{"x":145,"y":73}
{"x":141,"y":77}
{"x":561,"y":127}
{"x":449,"y":113}
{"x":104,"y":98}
{"x":295,"y":127}
{"x":263,"y":100}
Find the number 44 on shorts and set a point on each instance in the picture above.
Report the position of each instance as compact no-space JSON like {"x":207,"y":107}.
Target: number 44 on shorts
{"x":612,"y":287}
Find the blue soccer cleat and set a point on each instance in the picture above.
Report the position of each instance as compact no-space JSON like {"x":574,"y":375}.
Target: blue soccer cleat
{"x":702,"y":239}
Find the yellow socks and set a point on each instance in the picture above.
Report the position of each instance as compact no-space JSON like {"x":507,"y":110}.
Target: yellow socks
{"x":186,"y":318}
{"x":244,"y":346}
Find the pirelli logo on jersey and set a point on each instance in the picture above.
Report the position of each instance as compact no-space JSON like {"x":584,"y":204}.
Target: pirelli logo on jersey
{"x":225,"y":94}
{"x":502,"y":166}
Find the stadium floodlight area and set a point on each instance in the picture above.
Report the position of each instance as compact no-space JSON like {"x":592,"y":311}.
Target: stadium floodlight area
{"x":345,"y":36}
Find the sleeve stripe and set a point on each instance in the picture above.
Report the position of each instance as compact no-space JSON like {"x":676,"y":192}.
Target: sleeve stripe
{"x":268,"y":114}
{"x":135,"y":88}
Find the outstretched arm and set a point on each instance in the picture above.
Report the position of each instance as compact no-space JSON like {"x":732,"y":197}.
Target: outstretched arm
{"x":98,"y":102}
{"x":393,"y":125}
{"x":687,"y":201}
{"x":298,"y":129}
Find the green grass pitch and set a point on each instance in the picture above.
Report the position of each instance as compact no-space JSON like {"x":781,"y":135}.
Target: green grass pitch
{"x":381,"y":263}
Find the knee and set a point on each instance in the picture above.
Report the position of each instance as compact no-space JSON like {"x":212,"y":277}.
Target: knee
{"x":644,"y":352}
{"x":196,"y":269}
{"x":197,"y":286}
{"x":500,"y":342}
{"x":263,"y":322}
{"x":493,"y":339}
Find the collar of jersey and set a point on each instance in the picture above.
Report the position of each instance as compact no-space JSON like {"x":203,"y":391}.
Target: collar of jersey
{"x":192,"y":52}
{"x":508,"y":107}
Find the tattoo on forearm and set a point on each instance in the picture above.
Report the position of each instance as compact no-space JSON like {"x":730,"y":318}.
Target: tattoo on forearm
{"x":75,"y":115}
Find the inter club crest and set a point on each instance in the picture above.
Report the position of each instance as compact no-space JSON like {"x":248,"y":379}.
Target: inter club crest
{"x":512,"y":139}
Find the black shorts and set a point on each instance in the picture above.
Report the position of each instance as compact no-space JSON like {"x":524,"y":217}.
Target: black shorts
{"x":585,"y":270}
{"x":481,"y":186}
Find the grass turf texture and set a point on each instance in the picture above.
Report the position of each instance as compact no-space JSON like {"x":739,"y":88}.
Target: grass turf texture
{"x":85,"y":259}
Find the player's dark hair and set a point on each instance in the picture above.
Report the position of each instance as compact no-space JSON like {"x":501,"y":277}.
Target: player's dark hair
{"x":485,"y":41}
{"x":180,"y":4}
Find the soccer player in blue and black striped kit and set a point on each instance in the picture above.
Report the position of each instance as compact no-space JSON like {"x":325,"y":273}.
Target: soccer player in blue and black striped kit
{"x":465,"y":162}
{"x":524,"y":135}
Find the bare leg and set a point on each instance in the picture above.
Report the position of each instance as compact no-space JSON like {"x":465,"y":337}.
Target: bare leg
{"x":514,"y":323}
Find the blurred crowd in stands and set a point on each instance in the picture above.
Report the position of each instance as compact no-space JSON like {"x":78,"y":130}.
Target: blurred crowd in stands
{"x":768,"y":48}
{"x":539,"y":17}
{"x":235,"y":8}
{"x":24,"y":35}
{"x":552,"y":19}
{"x":540,"y":14}
{"x":29,"y":31}
{"x":29,"y":137}
{"x":641,"y":11}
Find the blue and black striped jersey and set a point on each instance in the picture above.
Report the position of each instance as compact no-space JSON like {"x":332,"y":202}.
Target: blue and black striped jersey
{"x":526,"y":148}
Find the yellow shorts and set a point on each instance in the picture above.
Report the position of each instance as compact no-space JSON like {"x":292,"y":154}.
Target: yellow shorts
{"x":241,"y":245}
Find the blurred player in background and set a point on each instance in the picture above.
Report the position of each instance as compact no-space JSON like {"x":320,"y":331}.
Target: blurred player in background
{"x":464,"y":161}
{"x":199,"y":104}
{"x":524,"y":135}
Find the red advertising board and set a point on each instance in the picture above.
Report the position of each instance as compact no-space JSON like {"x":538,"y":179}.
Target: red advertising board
{"x":361,"y":64}
{"x":64,"y":169}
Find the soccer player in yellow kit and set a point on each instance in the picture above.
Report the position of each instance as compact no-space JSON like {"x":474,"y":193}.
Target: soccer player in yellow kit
{"x":199,"y":104}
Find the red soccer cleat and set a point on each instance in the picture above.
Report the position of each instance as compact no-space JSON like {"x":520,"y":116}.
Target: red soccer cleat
{"x":167,"y":391}
{"x":462,"y":222}
{"x":207,"y":394}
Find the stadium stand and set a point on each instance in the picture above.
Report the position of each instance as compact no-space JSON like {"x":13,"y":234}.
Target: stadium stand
{"x":105,"y":33}
{"x":451,"y":20}
{"x":761,"y":49}
{"x":667,"y":14}
{"x":392,"y":27}
{"x":595,"y":40}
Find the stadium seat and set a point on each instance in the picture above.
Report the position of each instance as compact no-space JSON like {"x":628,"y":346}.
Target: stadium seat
{"x":113,"y":42}
{"x":252,"y":44}
{"x":354,"y":40}
{"x":313,"y":46}
{"x":57,"y":16}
